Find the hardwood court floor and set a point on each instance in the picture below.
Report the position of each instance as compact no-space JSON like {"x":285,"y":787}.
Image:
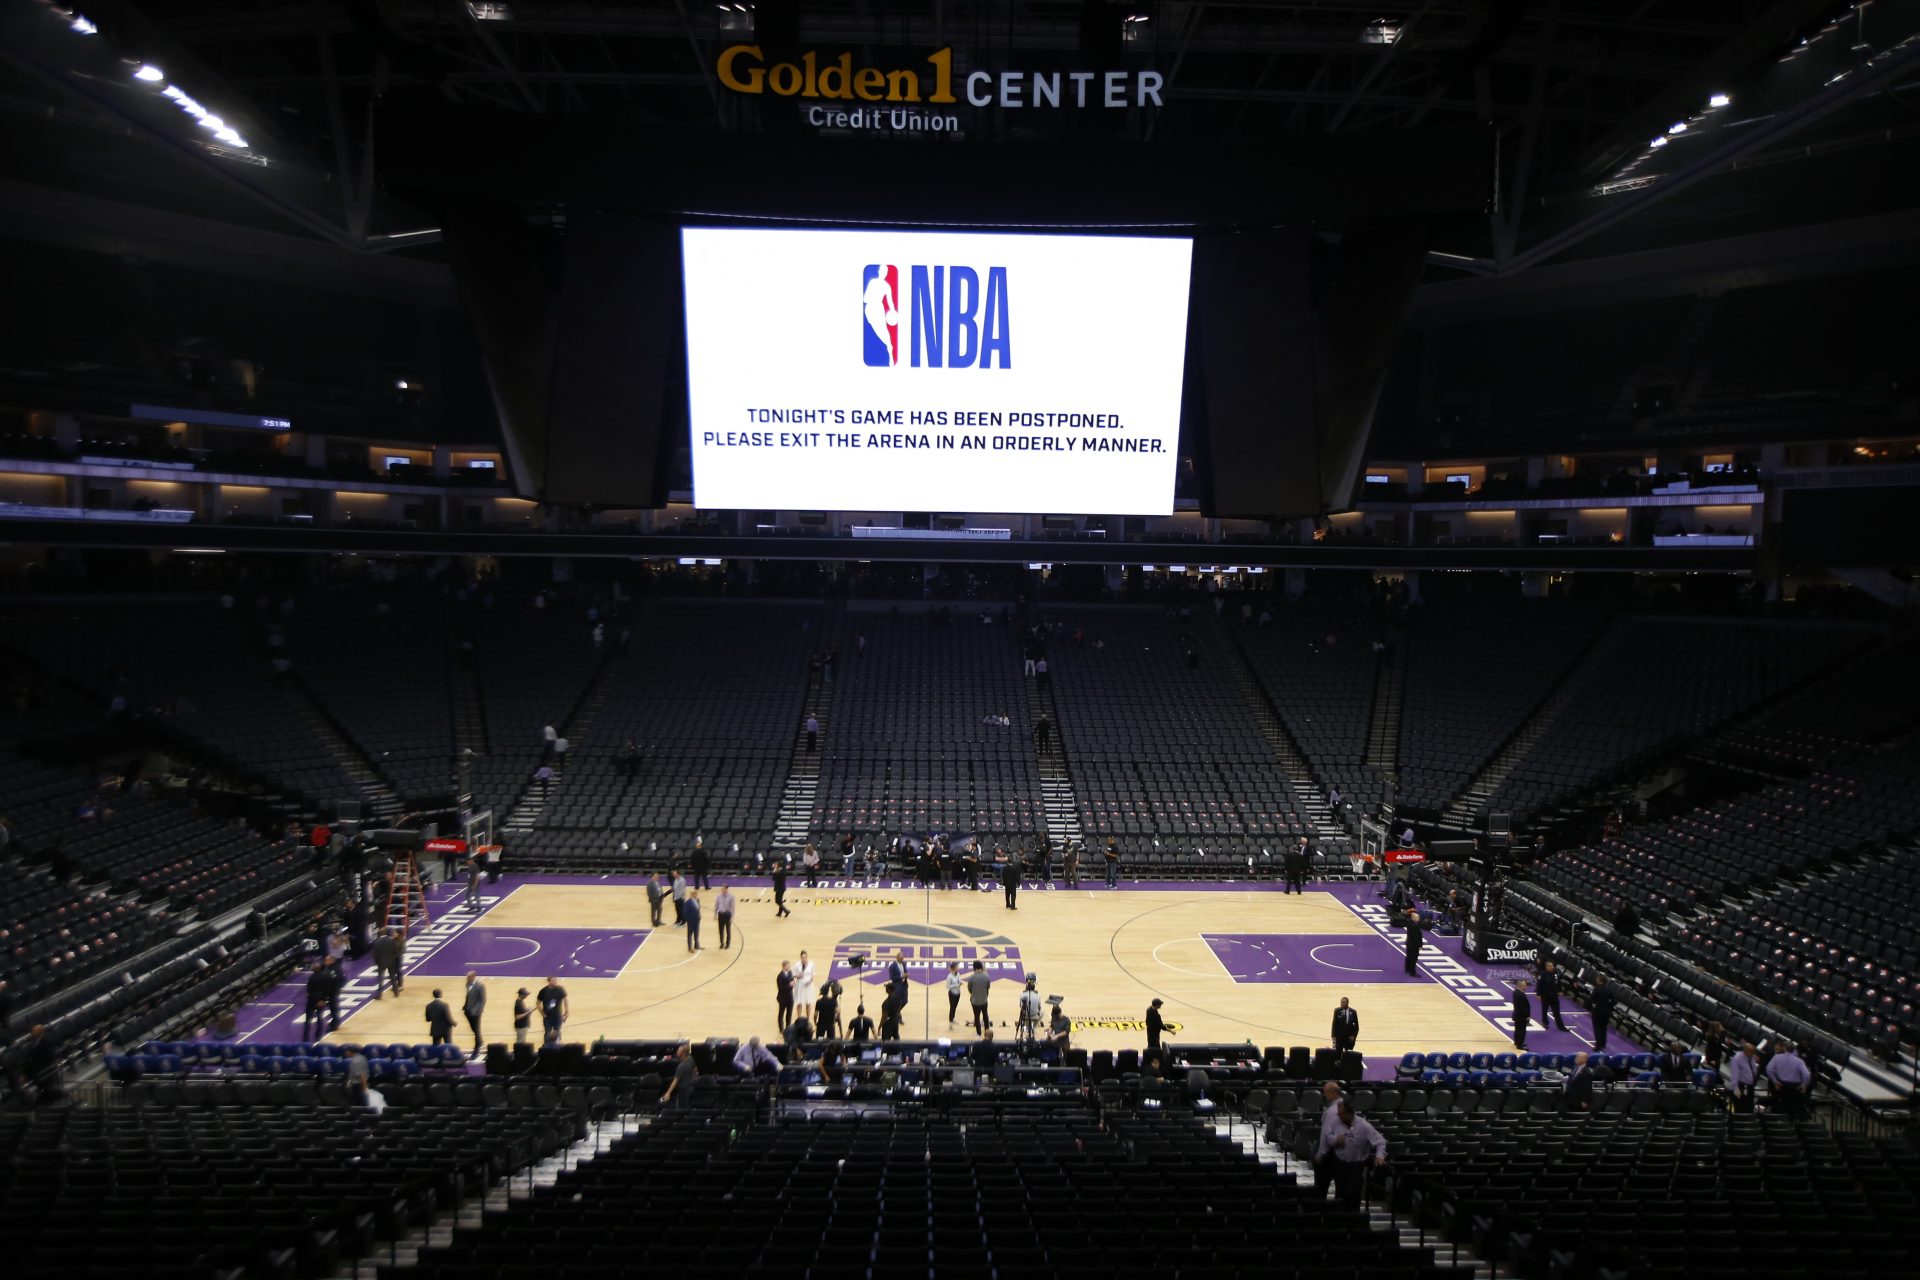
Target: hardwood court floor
{"x":1231,"y":964}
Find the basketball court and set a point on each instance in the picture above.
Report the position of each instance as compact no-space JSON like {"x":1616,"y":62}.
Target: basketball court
{"x":1232,"y":963}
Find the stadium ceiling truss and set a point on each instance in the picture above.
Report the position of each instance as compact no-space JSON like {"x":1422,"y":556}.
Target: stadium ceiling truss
{"x":1596,"y":110}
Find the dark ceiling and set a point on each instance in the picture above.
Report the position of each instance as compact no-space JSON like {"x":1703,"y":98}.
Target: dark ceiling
{"x":1820,"y":120}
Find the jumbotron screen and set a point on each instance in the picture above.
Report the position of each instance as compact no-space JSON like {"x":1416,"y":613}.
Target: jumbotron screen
{"x":926,"y":371}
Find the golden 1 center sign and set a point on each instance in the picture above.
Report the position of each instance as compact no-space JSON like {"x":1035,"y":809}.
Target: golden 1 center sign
{"x":835,"y":95}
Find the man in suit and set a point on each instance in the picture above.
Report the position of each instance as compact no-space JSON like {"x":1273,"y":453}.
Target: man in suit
{"x":1296,"y":867}
{"x":1673,"y":1065}
{"x":1549,"y":993}
{"x":1742,"y":1073}
{"x":723,"y":907}
{"x":1600,"y":1004}
{"x":1156,"y":1025}
{"x":655,"y":897}
{"x":473,"y":1006}
{"x":1346,"y":1026}
{"x":1010,"y":881}
{"x":1579,"y":1090}
{"x":1522,"y":1014}
{"x":1416,"y":935}
{"x":387,"y":956}
{"x":439,"y":1019}
{"x":316,"y":1001}
{"x":780,"y":887}
{"x":690,"y":915}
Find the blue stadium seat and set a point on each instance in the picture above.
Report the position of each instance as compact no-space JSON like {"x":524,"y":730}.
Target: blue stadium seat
{"x":1643,"y":1062}
{"x":1705,"y":1079}
{"x":1435,"y":1062}
{"x":1432,"y":1077}
{"x":1527,"y":1061}
{"x":1460,"y":1061}
{"x":1481,"y":1079}
{"x":1481,"y":1062}
{"x":1410,"y":1064}
{"x":1504,"y":1061}
{"x":254,"y":1063}
{"x":1459,"y":1080}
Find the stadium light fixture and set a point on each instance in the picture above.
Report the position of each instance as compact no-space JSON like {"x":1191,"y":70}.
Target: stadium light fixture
{"x":82,"y":26}
{"x":1657,"y":143}
{"x":148,"y":72}
{"x":1380,"y":31}
{"x":1719,"y":100}
{"x":1677,"y":127}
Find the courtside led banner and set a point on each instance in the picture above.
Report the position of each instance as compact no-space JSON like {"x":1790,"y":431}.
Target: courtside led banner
{"x":923,"y":371}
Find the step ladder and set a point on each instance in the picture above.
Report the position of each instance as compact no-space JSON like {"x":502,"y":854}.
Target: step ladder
{"x":407,"y":906}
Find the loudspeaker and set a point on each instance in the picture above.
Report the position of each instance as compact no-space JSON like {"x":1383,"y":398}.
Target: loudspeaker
{"x":1450,"y":851}
{"x":1499,"y":823}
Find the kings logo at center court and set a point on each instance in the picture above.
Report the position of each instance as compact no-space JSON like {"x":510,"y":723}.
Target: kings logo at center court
{"x":925,"y":951}
{"x":953,"y":319}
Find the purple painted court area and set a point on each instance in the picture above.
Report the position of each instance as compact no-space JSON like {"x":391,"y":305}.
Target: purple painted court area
{"x":1310,"y":957}
{"x":525,"y":953}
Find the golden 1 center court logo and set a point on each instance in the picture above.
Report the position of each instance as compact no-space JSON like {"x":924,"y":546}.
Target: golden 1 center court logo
{"x":925,"y":950}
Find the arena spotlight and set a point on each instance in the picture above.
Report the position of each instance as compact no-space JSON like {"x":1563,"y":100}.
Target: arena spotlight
{"x":1719,"y":100}
{"x":82,"y":26}
{"x":1678,"y":126}
{"x":148,"y":72}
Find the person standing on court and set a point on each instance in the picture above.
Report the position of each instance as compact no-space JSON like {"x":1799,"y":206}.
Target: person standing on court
{"x":780,"y":887}
{"x":522,"y":1016}
{"x":1156,"y":1025}
{"x":554,"y":1010}
{"x":702,"y":862}
{"x":316,"y":1001}
{"x":692,"y":910}
{"x":1346,"y":1026}
{"x":1070,"y":864}
{"x":803,"y":986}
{"x":1522,"y":1015}
{"x":783,"y":994}
{"x":1549,"y":993}
{"x":1353,"y":1142}
{"x":1416,"y":935}
{"x":1010,"y":881}
{"x":723,"y":907}
{"x":979,"y":986}
{"x":386,"y":958}
{"x":439,"y":1020}
{"x":1600,"y":1004}
{"x":472,"y":869}
{"x":1297,"y":867}
{"x":810,"y":860}
{"x":955,"y":984}
{"x":1112,"y":856}
{"x":474,"y":1004}
{"x":680,"y":891}
{"x":655,"y":896}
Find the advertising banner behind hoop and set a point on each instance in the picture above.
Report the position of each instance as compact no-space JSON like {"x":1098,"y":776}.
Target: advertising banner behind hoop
{"x":1397,"y":857}
{"x":446,"y":844}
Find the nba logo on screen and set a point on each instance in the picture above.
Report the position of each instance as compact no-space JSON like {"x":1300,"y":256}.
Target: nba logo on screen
{"x":880,"y":299}
{"x":956,"y":317}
